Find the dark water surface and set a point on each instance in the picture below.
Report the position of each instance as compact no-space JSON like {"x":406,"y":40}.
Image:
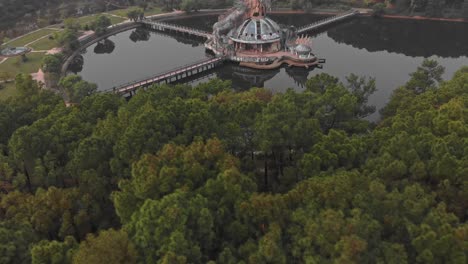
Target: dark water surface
{"x":385,"y":49}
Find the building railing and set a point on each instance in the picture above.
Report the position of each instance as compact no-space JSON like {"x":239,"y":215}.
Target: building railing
{"x":253,"y":59}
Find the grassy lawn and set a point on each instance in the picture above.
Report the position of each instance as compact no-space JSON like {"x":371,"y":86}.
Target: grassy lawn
{"x":89,"y":19}
{"x":121,"y":12}
{"x":30,"y":37}
{"x":44,"y":44}
{"x":57,"y":26}
{"x":153,"y":11}
{"x":148,"y":12}
{"x":86,"y":20}
{"x":8,"y":90}
{"x":116,"y":20}
{"x":82,"y":21}
{"x":14,"y":66}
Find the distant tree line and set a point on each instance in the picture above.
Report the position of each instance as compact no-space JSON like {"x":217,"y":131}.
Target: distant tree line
{"x":430,"y":8}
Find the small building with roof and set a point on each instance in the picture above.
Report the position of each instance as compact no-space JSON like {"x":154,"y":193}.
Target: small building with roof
{"x":14,"y":51}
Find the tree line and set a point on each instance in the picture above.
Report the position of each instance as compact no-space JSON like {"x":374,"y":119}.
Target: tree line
{"x":204,"y":174}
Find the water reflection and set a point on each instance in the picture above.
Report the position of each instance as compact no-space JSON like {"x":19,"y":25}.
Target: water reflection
{"x":76,"y":64}
{"x":143,"y":34}
{"x":129,"y":60}
{"x":204,"y":23}
{"x":242,"y":77}
{"x":299,"y":75}
{"x":181,"y":38}
{"x":415,"y":38}
{"x":385,"y":49}
{"x":140,"y":34}
{"x":105,"y":46}
{"x":409,"y":37}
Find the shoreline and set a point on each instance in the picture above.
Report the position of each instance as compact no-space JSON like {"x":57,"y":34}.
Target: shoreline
{"x":421,"y":18}
{"x":178,"y":14}
{"x":369,"y":14}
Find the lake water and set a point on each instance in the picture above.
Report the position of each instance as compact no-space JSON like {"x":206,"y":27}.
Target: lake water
{"x":382,"y":48}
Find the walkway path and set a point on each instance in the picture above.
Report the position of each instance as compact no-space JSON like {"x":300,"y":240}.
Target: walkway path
{"x":52,"y":27}
{"x":11,"y":40}
{"x":29,"y":33}
{"x":175,"y":12}
{"x":38,"y":76}
{"x":51,"y":51}
{"x":114,"y":15}
{"x":36,"y":40}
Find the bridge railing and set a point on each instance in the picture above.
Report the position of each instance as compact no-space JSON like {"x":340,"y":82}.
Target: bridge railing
{"x":328,"y":19}
{"x":166,"y":73}
{"x":177,"y":27}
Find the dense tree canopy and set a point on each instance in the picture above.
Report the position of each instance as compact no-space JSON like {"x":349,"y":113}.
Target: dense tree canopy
{"x":205,"y":174}
{"x":100,"y":24}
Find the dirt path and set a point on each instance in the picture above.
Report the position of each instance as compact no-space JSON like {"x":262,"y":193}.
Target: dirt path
{"x":11,"y":40}
{"x":3,"y":60}
{"x":114,"y":15}
{"x":38,"y":76}
{"x":36,"y":40}
{"x":175,"y":12}
{"x":54,"y":50}
{"x":85,"y":34}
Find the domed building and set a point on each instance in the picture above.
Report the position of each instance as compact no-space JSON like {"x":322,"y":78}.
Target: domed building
{"x":246,"y":35}
{"x":258,"y":34}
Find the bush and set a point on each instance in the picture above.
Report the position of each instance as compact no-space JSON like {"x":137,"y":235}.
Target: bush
{"x":378,"y":9}
{"x":100,"y":25}
{"x":52,"y":63}
{"x":24,"y":58}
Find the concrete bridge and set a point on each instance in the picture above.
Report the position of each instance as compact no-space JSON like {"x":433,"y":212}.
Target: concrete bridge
{"x":171,"y":76}
{"x":162,"y":26}
{"x":327,"y":21}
